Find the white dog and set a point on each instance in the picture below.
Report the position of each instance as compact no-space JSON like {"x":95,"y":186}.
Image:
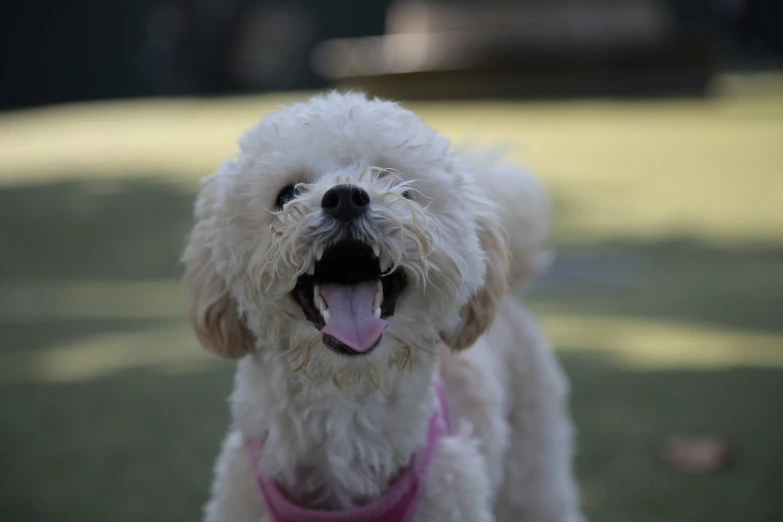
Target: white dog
{"x":346,"y":257}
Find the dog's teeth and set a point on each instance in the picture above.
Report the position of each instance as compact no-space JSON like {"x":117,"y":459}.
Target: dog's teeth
{"x":319,"y":253}
{"x":386,"y":264}
{"x":378,"y":298}
{"x":377,"y":313}
{"x":318,"y":300}
{"x":321,"y":304}
{"x":376,"y":250}
{"x":310,"y":269}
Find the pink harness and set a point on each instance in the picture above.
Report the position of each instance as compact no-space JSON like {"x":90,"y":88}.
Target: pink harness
{"x":398,"y":504}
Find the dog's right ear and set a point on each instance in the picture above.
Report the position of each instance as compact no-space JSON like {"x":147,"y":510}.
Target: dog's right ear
{"x":213,"y":312}
{"x":478,"y":314}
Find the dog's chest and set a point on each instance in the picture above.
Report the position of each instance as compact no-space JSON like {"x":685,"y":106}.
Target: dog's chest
{"x":330,"y":449}
{"x":349,"y":459}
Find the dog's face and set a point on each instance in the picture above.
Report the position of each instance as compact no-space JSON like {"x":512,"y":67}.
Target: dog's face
{"x":347,"y":237}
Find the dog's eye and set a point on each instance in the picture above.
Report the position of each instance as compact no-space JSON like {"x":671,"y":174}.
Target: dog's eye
{"x":288,"y":193}
{"x":407,"y":194}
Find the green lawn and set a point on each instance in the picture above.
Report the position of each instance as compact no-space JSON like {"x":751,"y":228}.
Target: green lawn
{"x":665,"y":303}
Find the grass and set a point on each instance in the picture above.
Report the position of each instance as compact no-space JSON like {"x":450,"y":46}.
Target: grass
{"x":664,"y":302}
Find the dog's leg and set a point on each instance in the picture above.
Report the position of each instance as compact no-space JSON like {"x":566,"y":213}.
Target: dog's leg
{"x":476,"y":395}
{"x":539,"y":483}
{"x":235,"y":495}
{"x":457,"y":488}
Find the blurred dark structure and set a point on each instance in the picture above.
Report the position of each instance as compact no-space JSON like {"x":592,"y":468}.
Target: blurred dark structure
{"x":535,"y":48}
{"x":54,"y":51}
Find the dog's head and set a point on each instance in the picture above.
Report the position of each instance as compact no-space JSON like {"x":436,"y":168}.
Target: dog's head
{"x":345,"y":235}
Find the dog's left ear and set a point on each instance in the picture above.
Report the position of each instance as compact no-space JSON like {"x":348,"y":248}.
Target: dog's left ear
{"x":477,"y":315}
{"x":213,"y":312}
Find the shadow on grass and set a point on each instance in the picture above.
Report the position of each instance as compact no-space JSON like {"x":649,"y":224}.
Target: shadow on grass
{"x":624,"y":415}
{"x":136,"y":446}
{"x":94,"y":230}
{"x":682,"y":280}
{"x":41,"y":335}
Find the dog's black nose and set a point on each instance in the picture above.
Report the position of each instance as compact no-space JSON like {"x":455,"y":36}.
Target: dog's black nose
{"x":345,"y":202}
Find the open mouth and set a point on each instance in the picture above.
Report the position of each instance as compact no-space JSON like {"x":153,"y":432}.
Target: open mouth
{"x":348,"y":299}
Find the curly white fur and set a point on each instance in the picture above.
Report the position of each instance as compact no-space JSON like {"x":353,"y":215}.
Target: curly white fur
{"x":339,"y":429}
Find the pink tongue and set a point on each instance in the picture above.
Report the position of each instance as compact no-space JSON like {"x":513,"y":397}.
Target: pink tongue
{"x":351,"y":319}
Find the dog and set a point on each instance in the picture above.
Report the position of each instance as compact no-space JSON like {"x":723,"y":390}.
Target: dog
{"x":360,"y":271}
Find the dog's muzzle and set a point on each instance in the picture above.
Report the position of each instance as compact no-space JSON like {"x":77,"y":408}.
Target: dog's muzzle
{"x":347,"y":298}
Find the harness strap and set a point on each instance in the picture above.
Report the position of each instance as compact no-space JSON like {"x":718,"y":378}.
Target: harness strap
{"x":398,"y":504}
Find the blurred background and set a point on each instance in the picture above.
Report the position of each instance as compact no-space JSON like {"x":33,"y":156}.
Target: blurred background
{"x":656,"y":124}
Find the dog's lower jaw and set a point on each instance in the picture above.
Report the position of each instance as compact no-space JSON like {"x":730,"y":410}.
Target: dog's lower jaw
{"x":328,"y":448}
